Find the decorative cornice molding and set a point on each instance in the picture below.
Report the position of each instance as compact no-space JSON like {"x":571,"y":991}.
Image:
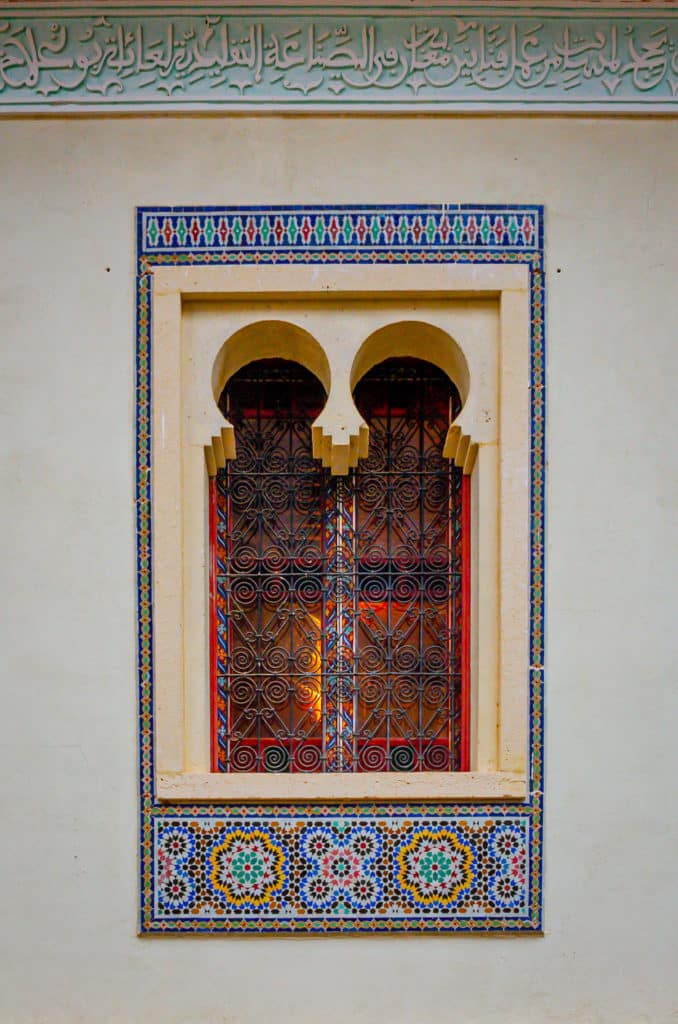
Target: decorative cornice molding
{"x":473,"y":57}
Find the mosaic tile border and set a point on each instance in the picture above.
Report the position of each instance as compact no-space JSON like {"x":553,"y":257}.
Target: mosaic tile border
{"x":338,"y":874}
{"x":317,"y":868}
{"x":473,"y":57}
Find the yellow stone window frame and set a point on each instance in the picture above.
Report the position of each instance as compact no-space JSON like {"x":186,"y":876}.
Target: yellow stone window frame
{"x":473,"y":321}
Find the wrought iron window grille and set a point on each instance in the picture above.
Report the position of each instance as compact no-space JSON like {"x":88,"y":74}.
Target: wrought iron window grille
{"x":339,"y":605}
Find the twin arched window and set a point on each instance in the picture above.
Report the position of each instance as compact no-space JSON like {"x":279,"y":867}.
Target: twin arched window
{"x":339,"y":605}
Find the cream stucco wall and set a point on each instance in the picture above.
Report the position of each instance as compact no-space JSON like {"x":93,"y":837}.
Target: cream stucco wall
{"x":68,"y":847}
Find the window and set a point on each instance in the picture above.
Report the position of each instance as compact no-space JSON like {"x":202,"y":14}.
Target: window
{"x":338,"y":328}
{"x":315,"y":331}
{"x":339,"y":611}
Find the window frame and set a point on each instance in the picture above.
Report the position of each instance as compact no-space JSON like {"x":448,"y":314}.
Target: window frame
{"x":499,"y":533}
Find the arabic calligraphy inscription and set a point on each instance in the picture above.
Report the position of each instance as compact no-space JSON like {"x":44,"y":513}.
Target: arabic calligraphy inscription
{"x":210,"y":59}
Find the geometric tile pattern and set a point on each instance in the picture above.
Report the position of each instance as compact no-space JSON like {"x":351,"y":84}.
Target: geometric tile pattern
{"x":324,"y":868}
{"x":301,"y":875}
{"x":306,"y":230}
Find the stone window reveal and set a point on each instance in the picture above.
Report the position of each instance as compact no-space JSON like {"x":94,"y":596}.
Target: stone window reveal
{"x":339,"y":324}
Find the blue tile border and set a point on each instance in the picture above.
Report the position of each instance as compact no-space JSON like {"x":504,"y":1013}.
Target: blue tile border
{"x":378,"y":867}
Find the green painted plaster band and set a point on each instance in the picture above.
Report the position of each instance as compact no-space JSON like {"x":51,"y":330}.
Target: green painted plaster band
{"x":212,"y":58}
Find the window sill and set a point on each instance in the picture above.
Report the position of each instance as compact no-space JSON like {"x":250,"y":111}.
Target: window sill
{"x":244,"y":787}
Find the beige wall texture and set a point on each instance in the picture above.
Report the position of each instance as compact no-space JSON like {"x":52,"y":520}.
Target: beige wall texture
{"x":69,"y":812}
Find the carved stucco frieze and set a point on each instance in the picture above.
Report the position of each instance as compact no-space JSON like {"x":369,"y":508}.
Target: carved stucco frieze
{"x":458,"y":57}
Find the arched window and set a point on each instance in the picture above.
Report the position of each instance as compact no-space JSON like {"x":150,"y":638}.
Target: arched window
{"x":407,"y":550}
{"x":339,"y":605}
{"x":271,"y":571}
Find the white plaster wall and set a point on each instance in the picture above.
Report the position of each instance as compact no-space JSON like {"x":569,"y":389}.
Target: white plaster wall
{"x":68,"y":847}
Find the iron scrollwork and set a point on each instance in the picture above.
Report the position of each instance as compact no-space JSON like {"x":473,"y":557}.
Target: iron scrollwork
{"x":338,"y":600}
